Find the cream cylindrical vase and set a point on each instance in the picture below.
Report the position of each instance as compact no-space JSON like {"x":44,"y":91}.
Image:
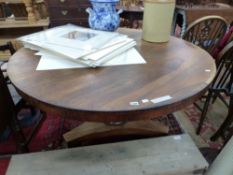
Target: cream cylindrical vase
{"x":157,"y":20}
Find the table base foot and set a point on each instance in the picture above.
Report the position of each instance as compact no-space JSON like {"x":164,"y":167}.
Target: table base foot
{"x":91,"y":133}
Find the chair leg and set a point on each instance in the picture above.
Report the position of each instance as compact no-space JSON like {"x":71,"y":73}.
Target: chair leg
{"x":22,"y":141}
{"x":228,"y":136}
{"x":19,"y":136}
{"x":35,"y":128}
{"x":204,"y":112}
{"x":214,"y":99}
{"x":197,"y":106}
{"x":228,"y":121}
{"x":223,"y":100}
{"x":32,"y":110}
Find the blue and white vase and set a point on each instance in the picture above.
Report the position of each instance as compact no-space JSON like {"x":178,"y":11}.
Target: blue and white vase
{"x":104,"y":16}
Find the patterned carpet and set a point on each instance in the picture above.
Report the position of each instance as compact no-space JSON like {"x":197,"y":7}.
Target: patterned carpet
{"x":189,"y":119}
{"x":4,"y":162}
{"x":49,"y":135}
{"x":208,"y":128}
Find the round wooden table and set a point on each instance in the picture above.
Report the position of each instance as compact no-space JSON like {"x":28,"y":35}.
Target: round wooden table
{"x":177,"y":69}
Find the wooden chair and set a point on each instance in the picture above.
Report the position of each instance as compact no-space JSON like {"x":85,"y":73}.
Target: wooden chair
{"x":206,"y":32}
{"x":8,"y":116}
{"x":222,"y":86}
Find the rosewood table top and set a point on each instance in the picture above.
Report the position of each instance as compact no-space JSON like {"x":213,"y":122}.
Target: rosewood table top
{"x":176,"y":69}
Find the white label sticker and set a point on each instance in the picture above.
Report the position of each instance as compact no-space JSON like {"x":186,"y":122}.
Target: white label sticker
{"x":134,"y":103}
{"x":161,"y":99}
{"x":177,"y":137}
{"x":145,"y":100}
{"x":207,"y":70}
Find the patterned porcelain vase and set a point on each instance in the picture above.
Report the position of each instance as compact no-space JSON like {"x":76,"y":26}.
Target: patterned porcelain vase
{"x":104,"y":16}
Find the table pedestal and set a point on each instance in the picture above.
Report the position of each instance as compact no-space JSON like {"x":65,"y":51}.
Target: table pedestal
{"x":90,"y":133}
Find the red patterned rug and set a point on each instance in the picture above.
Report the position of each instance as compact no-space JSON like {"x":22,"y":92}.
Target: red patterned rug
{"x":48,"y":137}
{"x":3,"y":165}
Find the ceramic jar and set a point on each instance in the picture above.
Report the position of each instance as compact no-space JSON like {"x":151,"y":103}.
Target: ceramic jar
{"x":157,"y":20}
{"x":103,"y":15}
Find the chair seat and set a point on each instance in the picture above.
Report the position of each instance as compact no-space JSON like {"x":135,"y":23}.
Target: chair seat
{"x":14,"y":94}
{"x":4,"y":66}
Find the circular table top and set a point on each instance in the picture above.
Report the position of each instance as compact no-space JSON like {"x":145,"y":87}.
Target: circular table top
{"x":176,"y":69}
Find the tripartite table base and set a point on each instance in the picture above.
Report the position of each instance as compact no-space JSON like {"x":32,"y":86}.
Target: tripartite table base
{"x":90,"y":133}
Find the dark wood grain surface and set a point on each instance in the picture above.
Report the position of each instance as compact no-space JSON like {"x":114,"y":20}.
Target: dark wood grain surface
{"x":177,"y":68}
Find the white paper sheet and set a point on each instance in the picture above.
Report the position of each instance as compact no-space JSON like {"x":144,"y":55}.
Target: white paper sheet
{"x":51,"y":62}
{"x":74,"y":47}
{"x":71,"y":46}
{"x":102,"y":56}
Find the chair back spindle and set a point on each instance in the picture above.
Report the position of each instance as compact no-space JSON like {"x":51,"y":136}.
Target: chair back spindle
{"x":224,"y":76}
{"x":206,"y":32}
